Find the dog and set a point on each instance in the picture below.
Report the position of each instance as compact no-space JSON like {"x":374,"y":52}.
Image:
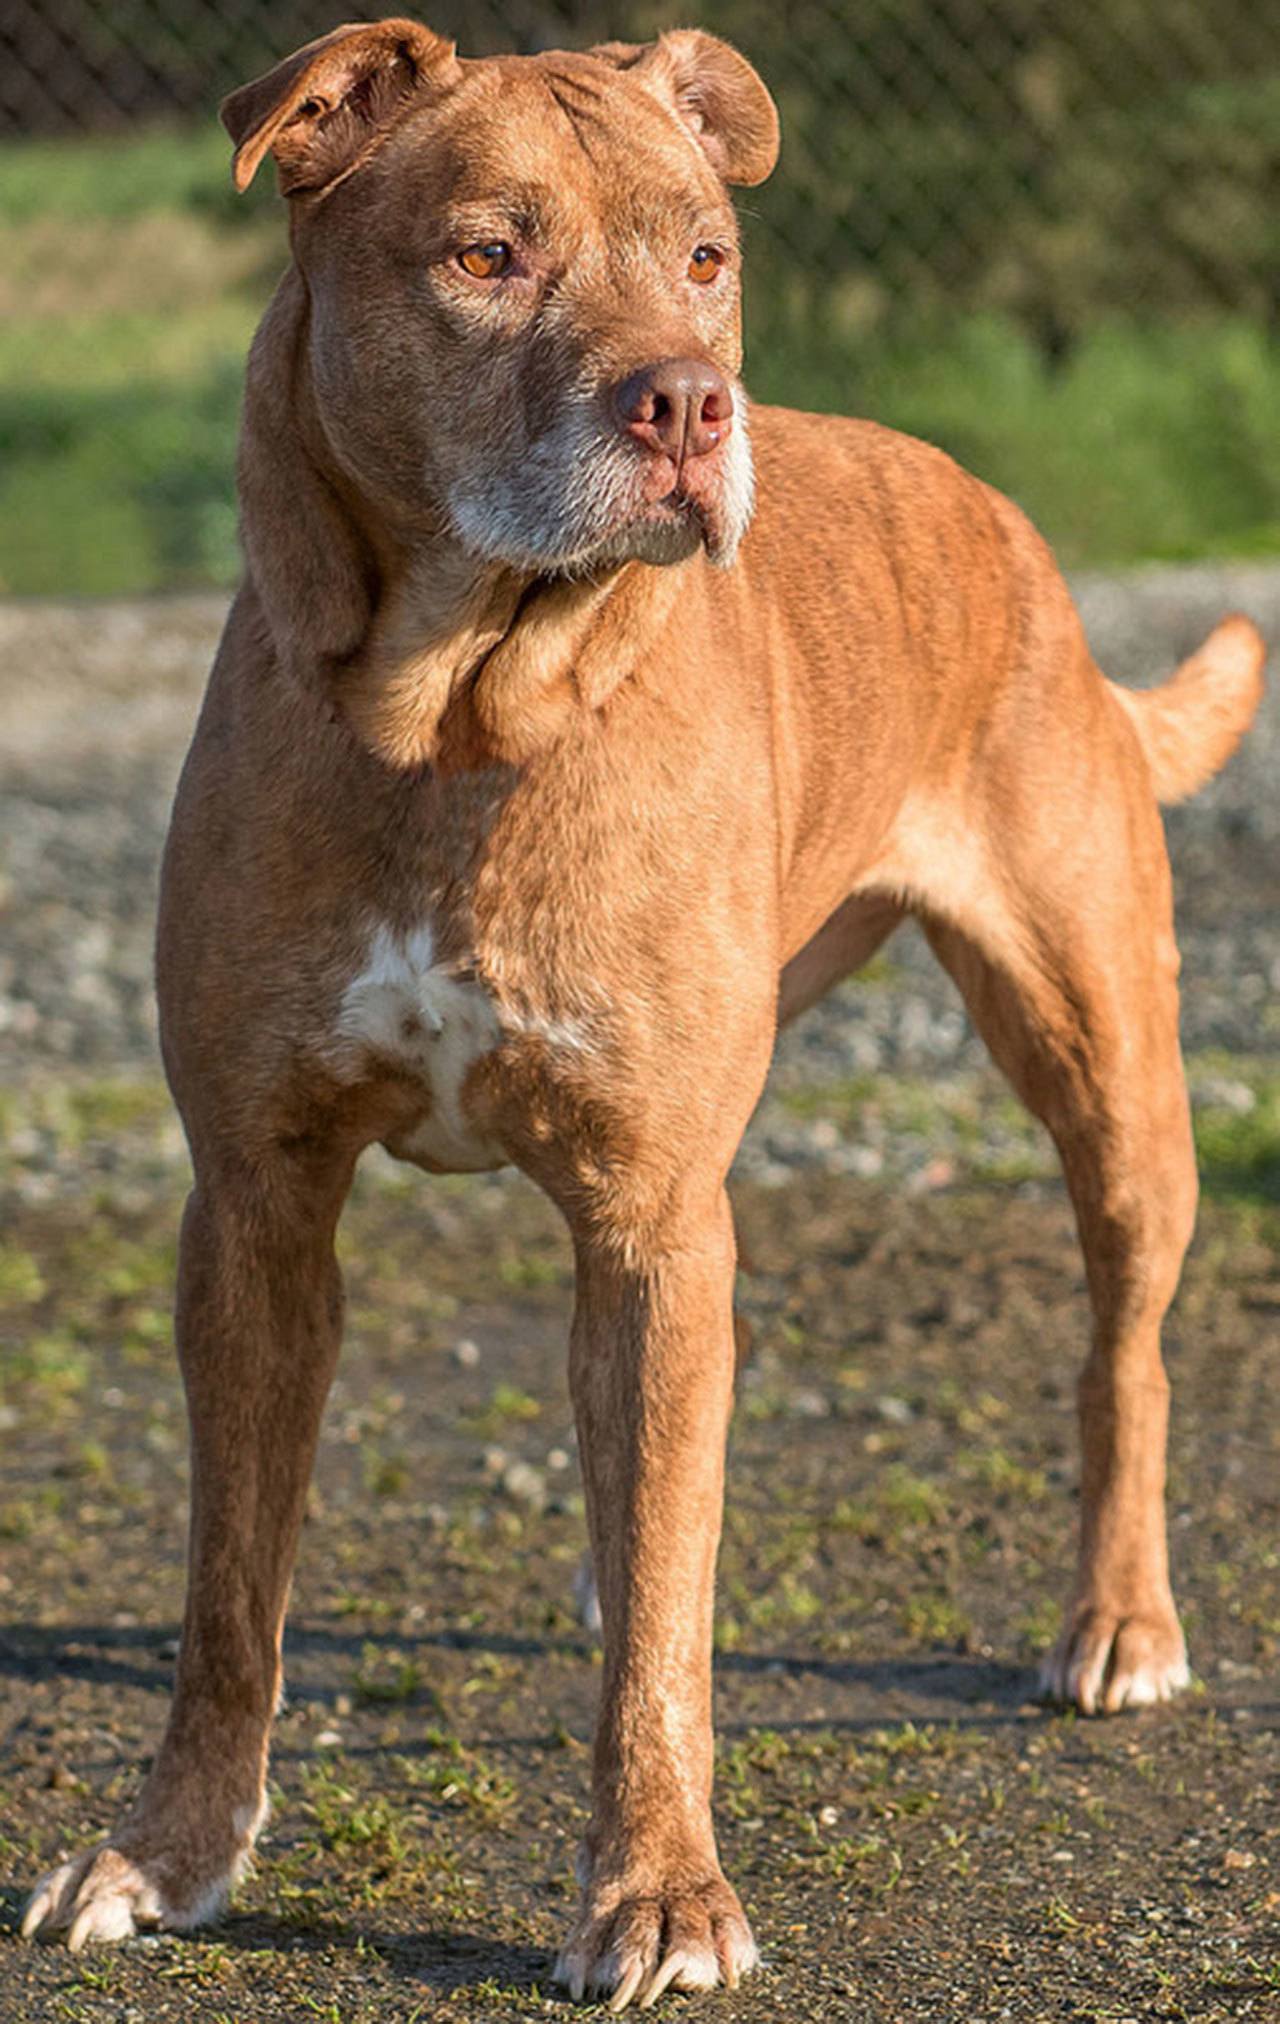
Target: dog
{"x":574,"y":727}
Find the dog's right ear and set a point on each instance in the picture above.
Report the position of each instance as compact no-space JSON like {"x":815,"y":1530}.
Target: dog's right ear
{"x":322,"y":109}
{"x":712,"y":88}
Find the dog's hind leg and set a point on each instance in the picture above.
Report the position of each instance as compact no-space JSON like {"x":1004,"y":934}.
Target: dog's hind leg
{"x":1069,"y":972}
{"x":259,"y":1307}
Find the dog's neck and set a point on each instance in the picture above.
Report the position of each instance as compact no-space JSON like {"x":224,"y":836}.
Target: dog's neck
{"x":469,"y":663}
{"x":429,"y":654}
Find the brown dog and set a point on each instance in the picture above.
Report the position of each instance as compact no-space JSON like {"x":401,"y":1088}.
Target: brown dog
{"x":533,"y":787}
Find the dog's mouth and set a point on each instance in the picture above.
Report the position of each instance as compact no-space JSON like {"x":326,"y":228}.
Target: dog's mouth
{"x":676,"y":508}
{"x":569,"y":507}
{"x":685,"y":507}
{"x":671,"y":484}
{"x":658,"y":528}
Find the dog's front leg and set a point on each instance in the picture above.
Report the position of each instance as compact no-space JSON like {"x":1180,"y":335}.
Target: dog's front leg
{"x":651,"y":1369}
{"x":259,"y":1305}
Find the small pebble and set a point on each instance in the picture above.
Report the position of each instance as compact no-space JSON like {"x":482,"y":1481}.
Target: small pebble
{"x":525,"y":1484}
{"x":895,"y":1410}
{"x":809,"y":1404}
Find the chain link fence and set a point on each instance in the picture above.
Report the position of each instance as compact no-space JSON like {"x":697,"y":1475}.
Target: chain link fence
{"x":1038,"y":158}
{"x":1042,"y":233}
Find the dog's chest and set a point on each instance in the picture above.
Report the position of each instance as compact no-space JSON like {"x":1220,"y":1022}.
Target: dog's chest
{"x":405,"y":1011}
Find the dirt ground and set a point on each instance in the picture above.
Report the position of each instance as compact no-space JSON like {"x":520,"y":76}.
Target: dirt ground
{"x":914,"y":1838}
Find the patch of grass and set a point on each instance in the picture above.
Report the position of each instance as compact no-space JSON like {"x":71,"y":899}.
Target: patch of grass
{"x":89,"y":1462}
{"x":131,"y":277}
{"x":923,"y":1739}
{"x":526,"y":1271}
{"x":56,"y":1118}
{"x":1038,"y":1626}
{"x":1148,"y":441}
{"x":871,"y":1858}
{"x":508,"y":1406}
{"x":22,"y":1517}
{"x":126,"y":176}
{"x":458,"y":1777}
{"x":130,"y":282}
{"x":385,"y":1475}
{"x":900,"y":1508}
{"x":910,"y":1501}
{"x":788,"y":1602}
{"x":345,"y":1819}
{"x":1238,"y":1149}
{"x":201,"y":1965}
{"x":102,"y":1109}
{"x":1010,"y":1170}
{"x":385,"y":1678}
{"x":121,"y":483}
{"x":51,"y":1367}
{"x":137,"y":1272}
{"x":935,"y":1618}
{"x":21,"y":1280}
{"x":881,"y":969}
{"x":997,"y":1472}
{"x":841,"y":1099}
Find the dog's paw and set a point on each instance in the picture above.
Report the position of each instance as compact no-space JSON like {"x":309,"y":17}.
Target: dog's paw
{"x":115,"y":1888}
{"x":1107,"y":1660}
{"x":630,"y":1947}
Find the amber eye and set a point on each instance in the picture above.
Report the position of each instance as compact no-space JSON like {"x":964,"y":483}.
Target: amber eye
{"x":705,"y":263}
{"x":487,"y":262}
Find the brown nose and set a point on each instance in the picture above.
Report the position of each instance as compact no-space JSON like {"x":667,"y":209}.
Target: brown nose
{"x":679,"y":408}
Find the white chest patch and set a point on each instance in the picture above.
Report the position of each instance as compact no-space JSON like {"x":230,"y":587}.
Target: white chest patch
{"x":405,"y":1008}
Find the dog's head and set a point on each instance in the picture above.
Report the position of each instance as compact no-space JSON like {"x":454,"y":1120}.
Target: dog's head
{"x":523,"y":276}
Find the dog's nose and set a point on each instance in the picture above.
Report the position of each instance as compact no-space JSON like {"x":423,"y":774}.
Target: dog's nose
{"x":680,"y":407}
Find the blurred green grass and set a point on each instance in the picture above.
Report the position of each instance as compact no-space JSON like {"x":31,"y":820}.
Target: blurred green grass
{"x":131,"y":278}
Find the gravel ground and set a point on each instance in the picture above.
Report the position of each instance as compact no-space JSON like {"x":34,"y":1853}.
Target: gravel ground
{"x":916,"y":1843}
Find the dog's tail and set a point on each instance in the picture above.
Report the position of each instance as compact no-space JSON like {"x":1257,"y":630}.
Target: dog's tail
{"x":1191,"y":724}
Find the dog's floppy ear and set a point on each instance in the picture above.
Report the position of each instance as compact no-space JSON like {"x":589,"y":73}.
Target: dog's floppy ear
{"x":715,"y":92}
{"x":319,"y":110}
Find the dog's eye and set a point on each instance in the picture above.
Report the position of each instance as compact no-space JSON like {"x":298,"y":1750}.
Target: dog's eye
{"x":705,"y":263}
{"x":487,"y":262}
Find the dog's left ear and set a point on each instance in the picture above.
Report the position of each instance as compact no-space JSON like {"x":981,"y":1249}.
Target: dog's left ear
{"x":715,"y":92}
{"x":319,"y":111}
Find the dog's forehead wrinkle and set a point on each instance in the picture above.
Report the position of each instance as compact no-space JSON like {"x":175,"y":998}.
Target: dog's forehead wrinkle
{"x":620,"y":132}
{"x":467,"y":150}
{"x":579,"y":118}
